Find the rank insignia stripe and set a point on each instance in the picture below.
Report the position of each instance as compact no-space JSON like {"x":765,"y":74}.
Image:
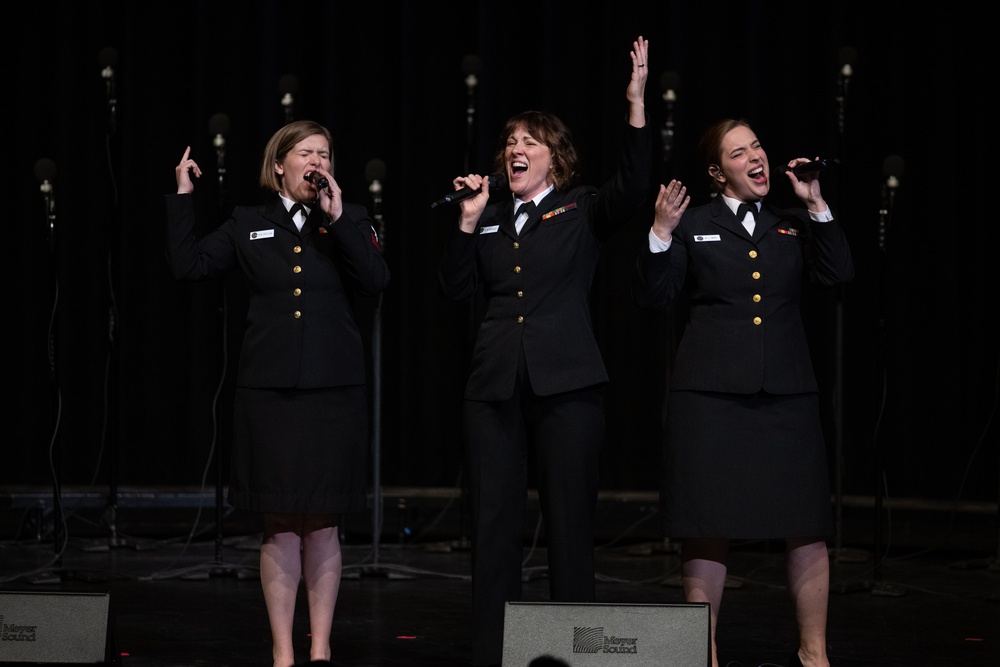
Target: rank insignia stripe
{"x":556,"y":211}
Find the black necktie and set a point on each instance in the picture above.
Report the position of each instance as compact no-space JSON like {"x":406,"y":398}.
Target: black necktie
{"x":525,"y":207}
{"x":741,"y":212}
{"x":296,"y":207}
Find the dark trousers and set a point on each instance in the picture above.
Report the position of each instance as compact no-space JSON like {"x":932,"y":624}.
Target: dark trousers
{"x":564,"y":433}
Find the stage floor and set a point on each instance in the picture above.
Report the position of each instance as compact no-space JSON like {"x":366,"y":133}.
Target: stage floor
{"x":190,"y":598}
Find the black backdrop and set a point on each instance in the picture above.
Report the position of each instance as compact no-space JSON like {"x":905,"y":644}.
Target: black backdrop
{"x":111,"y":363}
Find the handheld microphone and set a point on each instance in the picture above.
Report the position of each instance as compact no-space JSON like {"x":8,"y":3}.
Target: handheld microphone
{"x":497,"y":180}
{"x":318,"y":180}
{"x":812,"y":167}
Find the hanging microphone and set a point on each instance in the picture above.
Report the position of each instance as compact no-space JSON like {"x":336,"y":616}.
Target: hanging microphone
{"x":218,"y":127}
{"x":470,"y":67}
{"x":374,"y":173}
{"x":847,"y":55}
{"x":497,"y":180}
{"x":287,"y":86}
{"x":669,"y":82}
{"x":45,"y":172}
{"x":318,"y":180}
{"x":812,"y":167}
{"x":892,"y":169}
{"x":107,"y":59}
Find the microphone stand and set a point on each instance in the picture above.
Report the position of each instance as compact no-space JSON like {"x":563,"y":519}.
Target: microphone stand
{"x":108,"y":57}
{"x":376,"y":566}
{"x":885,"y":217}
{"x":219,"y":124}
{"x":840,"y":554}
{"x":471,"y":66}
{"x":58,"y":534}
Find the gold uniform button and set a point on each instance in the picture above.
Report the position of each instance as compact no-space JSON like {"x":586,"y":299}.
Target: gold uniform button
{"x":516,"y":245}
{"x":756,"y":275}
{"x":296,"y":269}
{"x":756,"y":298}
{"x":517,"y":269}
{"x":297,"y":292}
{"x":757,"y":320}
{"x":298,"y":314}
{"x":520,"y":319}
{"x":520,"y":294}
{"x":297,"y":249}
{"x":753,"y":254}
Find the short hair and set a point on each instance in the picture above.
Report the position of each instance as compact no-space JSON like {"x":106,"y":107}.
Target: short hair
{"x":283,"y":141}
{"x":710,"y":145}
{"x":548,"y":129}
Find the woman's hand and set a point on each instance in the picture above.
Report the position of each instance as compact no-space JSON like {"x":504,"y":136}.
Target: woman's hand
{"x":183,"y":172}
{"x":671,"y":202}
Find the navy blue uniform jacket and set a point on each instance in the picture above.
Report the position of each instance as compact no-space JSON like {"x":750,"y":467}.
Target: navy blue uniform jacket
{"x":744,"y":332}
{"x":537,"y":284}
{"x":300,"y":327}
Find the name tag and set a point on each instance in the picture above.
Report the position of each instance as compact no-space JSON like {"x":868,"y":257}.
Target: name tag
{"x":261,"y":234}
{"x":492,"y":229}
{"x":707,"y":237}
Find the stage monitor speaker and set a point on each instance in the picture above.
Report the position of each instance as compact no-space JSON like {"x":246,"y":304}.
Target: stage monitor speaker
{"x":605,"y":635}
{"x":57,"y":627}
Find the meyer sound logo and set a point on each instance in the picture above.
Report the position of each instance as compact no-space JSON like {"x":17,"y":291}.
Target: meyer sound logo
{"x":593,"y":640}
{"x":16,"y":633}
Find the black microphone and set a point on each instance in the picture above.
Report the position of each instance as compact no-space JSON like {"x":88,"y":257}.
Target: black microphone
{"x":107,"y":59}
{"x":45,"y":172}
{"x":374,"y":173}
{"x":218,"y":127}
{"x":812,"y":167}
{"x":669,"y":82}
{"x":287,"y":86}
{"x":847,"y":55}
{"x":318,"y":180}
{"x":497,"y":180}
{"x":892,"y":169}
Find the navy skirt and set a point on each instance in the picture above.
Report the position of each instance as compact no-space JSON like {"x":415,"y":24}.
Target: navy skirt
{"x":745,"y":467}
{"x":300,"y":451}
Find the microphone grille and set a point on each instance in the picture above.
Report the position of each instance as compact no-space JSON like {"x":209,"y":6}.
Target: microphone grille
{"x":498,"y":180}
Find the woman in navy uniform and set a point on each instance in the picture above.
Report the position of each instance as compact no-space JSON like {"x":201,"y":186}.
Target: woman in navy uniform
{"x":745,"y":456}
{"x":300,"y":436}
{"x":537,"y":374}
